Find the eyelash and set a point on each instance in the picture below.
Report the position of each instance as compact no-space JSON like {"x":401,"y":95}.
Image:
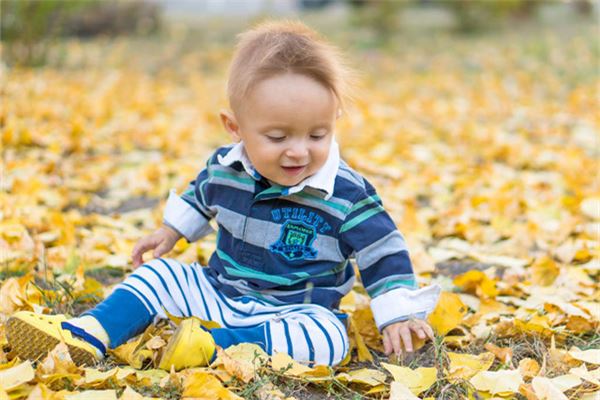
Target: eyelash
{"x":281,"y":139}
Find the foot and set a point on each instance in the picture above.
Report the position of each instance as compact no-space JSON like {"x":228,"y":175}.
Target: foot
{"x":31,"y":336}
{"x":190,"y":346}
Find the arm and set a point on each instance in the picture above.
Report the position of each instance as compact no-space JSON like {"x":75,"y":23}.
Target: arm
{"x":189,"y":214}
{"x":185,"y":216}
{"x":386,"y":270}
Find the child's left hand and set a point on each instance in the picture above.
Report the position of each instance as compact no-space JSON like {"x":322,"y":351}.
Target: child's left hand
{"x":399,"y":332}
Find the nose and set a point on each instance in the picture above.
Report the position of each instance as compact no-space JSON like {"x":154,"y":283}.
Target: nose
{"x":297,"y":150}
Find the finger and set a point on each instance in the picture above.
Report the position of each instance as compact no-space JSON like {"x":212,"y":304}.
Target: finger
{"x":138,"y":251}
{"x":137,"y":261}
{"x":406,"y":338}
{"x":136,"y":256}
{"x":420,"y":333}
{"x":395,"y":339}
{"x":162,"y":248}
{"x":428,"y":331}
{"x":387,"y":344}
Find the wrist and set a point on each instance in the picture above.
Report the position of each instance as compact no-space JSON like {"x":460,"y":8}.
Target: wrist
{"x":171,"y":232}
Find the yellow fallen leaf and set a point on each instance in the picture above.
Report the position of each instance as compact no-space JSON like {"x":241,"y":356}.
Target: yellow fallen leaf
{"x":93,"y":395}
{"x":10,"y":364}
{"x":130,"y":394}
{"x":544,"y":271}
{"x":93,"y":375}
{"x":269,"y":391}
{"x":155,"y":343}
{"x":580,"y":325}
{"x":132,"y":354}
{"x":361,"y":348}
{"x":242,"y":360}
{"x":398,"y":391}
{"x":566,"y":382}
{"x":319,"y":373}
{"x":476,"y":282}
{"x":457,"y":341}
{"x":17,"y":375}
{"x":59,"y":362}
{"x":535,"y":324}
{"x":497,"y":382}
{"x":204,"y":386}
{"x":365,"y":376}
{"x":448,"y":313}
{"x":123,"y":373}
{"x":590,"y":207}
{"x":464,"y":366}
{"x":283,"y":362}
{"x":41,"y":392}
{"x":503,"y":354}
{"x":417,"y":380}
{"x":529,"y":368}
{"x":12,"y":293}
{"x":377,"y":389}
{"x":583,"y":373}
{"x":590,"y":396}
{"x":151,"y":376}
{"x":545,"y":390}
{"x":591,"y":356}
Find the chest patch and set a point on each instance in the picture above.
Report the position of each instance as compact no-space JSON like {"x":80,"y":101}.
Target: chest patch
{"x":295,"y":241}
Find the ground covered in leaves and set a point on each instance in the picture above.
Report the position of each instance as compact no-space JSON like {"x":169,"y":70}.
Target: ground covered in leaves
{"x":484,"y":150}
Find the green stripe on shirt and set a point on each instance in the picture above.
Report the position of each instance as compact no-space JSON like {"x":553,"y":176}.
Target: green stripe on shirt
{"x":327,"y":203}
{"x":247,"y":272}
{"x":364,"y":202}
{"x":225,"y":175}
{"x":393,"y":284}
{"x":360,"y":218}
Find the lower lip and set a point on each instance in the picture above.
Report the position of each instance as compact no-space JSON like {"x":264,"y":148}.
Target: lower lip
{"x":294,"y":170}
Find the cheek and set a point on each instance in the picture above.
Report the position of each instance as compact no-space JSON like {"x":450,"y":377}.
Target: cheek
{"x":268,"y":153}
{"x":321,"y":154}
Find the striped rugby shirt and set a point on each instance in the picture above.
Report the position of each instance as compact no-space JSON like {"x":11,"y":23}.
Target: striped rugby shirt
{"x":294,"y":244}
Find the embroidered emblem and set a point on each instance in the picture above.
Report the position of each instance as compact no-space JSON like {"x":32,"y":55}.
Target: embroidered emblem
{"x":295,"y":241}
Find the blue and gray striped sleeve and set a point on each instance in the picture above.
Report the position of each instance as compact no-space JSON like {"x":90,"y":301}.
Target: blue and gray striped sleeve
{"x":189,"y":213}
{"x":383,"y":261}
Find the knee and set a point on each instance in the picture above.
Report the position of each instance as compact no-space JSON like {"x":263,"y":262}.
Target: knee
{"x":342,"y":343}
{"x":154,"y":270}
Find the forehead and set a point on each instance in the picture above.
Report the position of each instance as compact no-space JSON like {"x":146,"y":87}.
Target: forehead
{"x":290,"y":99}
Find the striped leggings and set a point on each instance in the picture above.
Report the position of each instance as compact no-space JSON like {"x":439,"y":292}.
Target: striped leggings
{"x":307,"y":332}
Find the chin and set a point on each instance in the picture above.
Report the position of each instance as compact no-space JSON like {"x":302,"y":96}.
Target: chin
{"x":289,"y":182}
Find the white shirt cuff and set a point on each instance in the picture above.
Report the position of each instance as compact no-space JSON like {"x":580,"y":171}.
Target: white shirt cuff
{"x":402,"y":302}
{"x":185,"y":219}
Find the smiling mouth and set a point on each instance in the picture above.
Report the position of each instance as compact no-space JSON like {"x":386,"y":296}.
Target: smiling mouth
{"x":294,"y":170}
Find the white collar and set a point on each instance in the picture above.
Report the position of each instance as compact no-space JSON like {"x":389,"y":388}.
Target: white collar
{"x":323,"y":180}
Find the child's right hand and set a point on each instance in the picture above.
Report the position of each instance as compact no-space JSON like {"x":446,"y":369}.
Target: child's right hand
{"x":162,"y":241}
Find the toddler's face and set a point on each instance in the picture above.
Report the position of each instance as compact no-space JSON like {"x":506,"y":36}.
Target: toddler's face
{"x":286,"y":124}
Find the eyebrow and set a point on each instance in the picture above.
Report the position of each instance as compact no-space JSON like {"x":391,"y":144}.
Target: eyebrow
{"x":326,"y":125}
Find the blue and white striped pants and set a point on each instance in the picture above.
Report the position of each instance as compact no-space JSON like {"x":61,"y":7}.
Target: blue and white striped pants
{"x":307,"y":332}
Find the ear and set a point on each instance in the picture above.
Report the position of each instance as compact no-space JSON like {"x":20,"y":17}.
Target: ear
{"x":230,"y":124}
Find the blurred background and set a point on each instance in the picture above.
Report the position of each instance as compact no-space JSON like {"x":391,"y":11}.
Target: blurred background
{"x":30,"y":28}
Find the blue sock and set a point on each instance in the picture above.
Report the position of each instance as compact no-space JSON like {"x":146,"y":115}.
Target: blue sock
{"x":122,"y":315}
{"x":226,"y":337}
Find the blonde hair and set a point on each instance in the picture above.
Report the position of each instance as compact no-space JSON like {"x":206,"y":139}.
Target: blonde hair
{"x":276,"y":47}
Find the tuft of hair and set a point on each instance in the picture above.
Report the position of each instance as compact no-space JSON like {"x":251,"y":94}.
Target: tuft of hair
{"x":274,"y":47}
